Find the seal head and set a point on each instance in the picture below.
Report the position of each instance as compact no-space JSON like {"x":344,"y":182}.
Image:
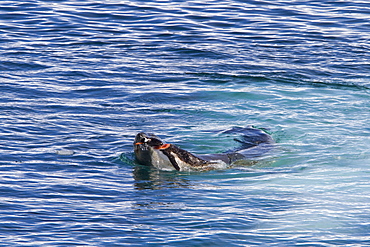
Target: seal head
{"x":146,"y":148}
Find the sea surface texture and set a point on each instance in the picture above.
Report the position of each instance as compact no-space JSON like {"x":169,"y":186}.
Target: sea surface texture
{"x":79,"y":79}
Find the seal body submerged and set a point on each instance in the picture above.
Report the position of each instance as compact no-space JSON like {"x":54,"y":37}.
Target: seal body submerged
{"x":150,"y":150}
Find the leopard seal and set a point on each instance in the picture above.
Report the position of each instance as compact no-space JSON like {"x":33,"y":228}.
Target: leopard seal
{"x":150,"y":150}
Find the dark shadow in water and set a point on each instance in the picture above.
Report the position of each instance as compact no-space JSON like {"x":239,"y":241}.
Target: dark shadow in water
{"x":147,"y":177}
{"x":154,"y":179}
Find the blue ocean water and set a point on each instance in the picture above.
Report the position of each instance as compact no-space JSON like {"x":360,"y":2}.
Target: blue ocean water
{"x":80,"y":78}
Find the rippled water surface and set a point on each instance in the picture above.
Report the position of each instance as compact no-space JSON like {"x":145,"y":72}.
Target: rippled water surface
{"x":80,"y":78}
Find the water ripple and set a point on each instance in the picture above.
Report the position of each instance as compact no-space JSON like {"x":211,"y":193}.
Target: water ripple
{"x":80,"y":78}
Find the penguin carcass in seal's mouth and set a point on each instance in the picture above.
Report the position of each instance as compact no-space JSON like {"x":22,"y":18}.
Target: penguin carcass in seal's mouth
{"x":150,"y":150}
